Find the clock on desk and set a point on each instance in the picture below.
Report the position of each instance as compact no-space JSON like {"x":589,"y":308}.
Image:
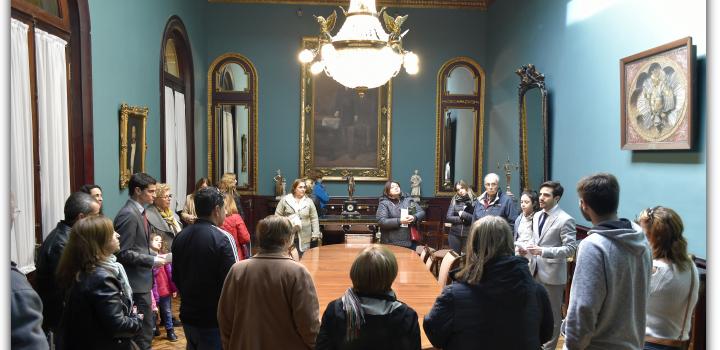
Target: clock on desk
{"x":350,"y":209}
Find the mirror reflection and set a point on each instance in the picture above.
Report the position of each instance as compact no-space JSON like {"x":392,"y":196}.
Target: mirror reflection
{"x":460,"y":125}
{"x":232,"y":77}
{"x":232,"y":121}
{"x":461,"y":81}
{"x":233,"y":125}
{"x":457,"y":148}
{"x":534,"y":153}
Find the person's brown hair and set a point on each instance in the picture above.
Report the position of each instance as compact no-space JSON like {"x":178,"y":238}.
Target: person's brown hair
{"x":274,"y":233}
{"x":86,"y":246}
{"x":490,"y":237}
{"x":374,"y":270}
{"x":295,"y":184}
{"x":664,"y":232}
{"x":601,"y":192}
{"x":386,"y":190}
{"x":200,"y":182}
{"x":230,"y":205}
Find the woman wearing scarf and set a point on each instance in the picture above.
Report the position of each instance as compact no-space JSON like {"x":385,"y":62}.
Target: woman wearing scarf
{"x":163,"y":220}
{"x":460,"y":215}
{"x":97,"y":313}
{"x":368,"y":315}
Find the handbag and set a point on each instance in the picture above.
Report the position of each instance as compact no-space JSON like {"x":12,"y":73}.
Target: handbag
{"x":414,"y":234}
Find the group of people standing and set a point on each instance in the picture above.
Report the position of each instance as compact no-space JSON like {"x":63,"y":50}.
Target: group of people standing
{"x":634,"y":284}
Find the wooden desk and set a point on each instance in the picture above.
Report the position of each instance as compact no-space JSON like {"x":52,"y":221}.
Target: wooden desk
{"x":334,"y":227}
{"x":330,"y":269}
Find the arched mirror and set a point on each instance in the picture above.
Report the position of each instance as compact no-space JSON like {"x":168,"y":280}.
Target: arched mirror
{"x":232,"y":120}
{"x":460,"y":124}
{"x":534,"y":133}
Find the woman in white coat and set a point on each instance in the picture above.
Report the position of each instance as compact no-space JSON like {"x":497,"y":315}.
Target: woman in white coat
{"x":302,"y":213}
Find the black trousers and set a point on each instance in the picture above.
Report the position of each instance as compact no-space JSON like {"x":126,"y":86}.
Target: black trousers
{"x":145,"y":336}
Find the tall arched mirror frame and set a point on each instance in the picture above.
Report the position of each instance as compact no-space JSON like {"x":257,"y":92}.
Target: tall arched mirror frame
{"x":232,"y":100}
{"x":460,"y":106}
{"x":533,"y":127}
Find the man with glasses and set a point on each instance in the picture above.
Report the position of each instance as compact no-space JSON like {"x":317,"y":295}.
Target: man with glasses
{"x":494,"y":202}
{"x":135,"y":254}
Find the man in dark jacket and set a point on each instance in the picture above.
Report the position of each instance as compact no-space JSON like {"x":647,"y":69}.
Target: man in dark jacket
{"x":135,"y":254}
{"x":202,"y":256}
{"x":25,"y":314}
{"x":77,"y":206}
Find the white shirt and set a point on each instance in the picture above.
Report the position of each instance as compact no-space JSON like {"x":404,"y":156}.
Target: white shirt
{"x":668,"y":300}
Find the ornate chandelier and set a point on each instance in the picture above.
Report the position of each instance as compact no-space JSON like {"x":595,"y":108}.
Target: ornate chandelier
{"x":361,"y":55}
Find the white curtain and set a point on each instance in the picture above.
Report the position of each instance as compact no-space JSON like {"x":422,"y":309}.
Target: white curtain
{"x":180,"y":185}
{"x":52,"y":127}
{"x":175,"y":147}
{"x":170,"y":150}
{"x":22,"y":193}
{"x":228,"y":143}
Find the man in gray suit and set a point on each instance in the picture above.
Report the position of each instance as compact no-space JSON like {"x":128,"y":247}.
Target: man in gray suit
{"x":554,"y":237}
{"x":135,"y":254}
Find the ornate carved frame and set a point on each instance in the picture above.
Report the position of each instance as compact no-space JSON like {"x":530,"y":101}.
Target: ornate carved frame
{"x":530,"y":78}
{"x":381,"y":170}
{"x":216,"y":97}
{"x":475,"y":102}
{"x":127,"y":112}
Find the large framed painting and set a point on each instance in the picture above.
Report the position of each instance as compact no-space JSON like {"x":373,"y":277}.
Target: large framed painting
{"x":343,"y":133}
{"x":133,"y":125}
{"x":657,"y":97}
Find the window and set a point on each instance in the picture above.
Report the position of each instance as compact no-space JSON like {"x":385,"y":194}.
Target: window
{"x":51,"y":116}
{"x":177,"y":146}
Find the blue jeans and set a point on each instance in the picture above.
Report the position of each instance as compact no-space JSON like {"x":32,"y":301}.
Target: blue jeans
{"x":165,"y":308}
{"x":202,"y":338}
{"x":653,"y":346}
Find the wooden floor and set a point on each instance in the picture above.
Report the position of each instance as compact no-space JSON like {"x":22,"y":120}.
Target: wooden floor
{"x":312,"y":262}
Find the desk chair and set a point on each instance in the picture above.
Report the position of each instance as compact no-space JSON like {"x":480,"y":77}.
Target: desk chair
{"x":432,"y":234}
{"x":449,"y":262}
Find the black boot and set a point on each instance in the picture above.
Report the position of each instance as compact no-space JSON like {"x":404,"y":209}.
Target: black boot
{"x":156,"y":332}
{"x":171,"y":335}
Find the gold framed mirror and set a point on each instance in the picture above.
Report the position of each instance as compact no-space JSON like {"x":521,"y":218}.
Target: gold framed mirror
{"x":534,"y":133}
{"x":232,"y":121}
{"x":460,"y":124}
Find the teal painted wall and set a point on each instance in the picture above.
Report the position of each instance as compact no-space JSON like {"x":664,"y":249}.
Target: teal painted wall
{"x":581,"y":63}
{"x":126,"y":38}
{"x":270,"y":37}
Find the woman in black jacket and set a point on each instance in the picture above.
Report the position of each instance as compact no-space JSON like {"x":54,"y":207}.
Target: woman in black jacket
{"x":97,"y":313}
{"x":496,"y":304}
{"x":395,"y":227}
{"x":368,"y":315}
{"x":460,"y":215}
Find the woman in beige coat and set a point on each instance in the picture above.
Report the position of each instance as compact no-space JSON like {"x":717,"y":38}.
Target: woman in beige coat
{"x":269,"y":301}
{"x":301,"y":211}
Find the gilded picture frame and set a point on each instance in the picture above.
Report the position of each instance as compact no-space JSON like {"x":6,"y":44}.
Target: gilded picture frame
{"x":133,"y":146}
{"x":657,"y":98}
{"x":341,"y":132}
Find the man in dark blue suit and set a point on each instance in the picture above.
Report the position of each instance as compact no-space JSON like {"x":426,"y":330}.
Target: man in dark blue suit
{"x":135,"y":254}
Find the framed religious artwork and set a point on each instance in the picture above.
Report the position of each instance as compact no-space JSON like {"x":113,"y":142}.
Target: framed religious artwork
{"x":656,"y":98}
{"x":133,"y":126}
{"x":342,"y":132}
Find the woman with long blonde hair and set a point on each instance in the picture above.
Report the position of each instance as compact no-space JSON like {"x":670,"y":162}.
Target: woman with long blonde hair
{"x":674,"y":283}
{"x":97,"y":313}
{"x":496,"y":302}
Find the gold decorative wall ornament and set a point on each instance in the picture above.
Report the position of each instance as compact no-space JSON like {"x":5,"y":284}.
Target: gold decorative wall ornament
{"x":341,"y":132}
{"x":534,"y":131}
{"x":133,"y":126}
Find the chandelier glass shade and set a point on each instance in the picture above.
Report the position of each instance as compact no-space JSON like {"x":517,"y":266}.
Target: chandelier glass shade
{"x":362,"y":55}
